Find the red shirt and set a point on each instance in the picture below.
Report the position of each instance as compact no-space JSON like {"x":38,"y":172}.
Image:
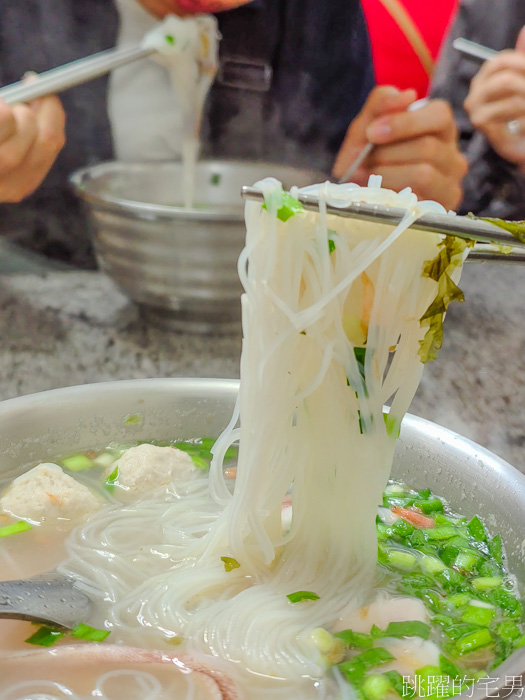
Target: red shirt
{"x":395,"y":61}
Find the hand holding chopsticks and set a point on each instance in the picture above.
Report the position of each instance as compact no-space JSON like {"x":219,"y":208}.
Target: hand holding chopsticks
{"x":415,"y":148}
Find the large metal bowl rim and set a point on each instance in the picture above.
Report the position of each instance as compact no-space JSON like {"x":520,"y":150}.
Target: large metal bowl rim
{"x":510,"y":673}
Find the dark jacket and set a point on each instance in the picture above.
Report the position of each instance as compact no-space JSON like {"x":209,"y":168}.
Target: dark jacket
{"x":322,"y":73}
{"x":492,"y":187}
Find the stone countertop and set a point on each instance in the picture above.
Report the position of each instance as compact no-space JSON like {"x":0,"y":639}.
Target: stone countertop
{"x":74,"y":327}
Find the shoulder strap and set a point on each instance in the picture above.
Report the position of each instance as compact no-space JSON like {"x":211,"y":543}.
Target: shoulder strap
{"x":411,"y":32}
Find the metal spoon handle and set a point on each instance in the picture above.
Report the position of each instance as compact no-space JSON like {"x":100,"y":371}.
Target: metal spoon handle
{"x":49,"y":599}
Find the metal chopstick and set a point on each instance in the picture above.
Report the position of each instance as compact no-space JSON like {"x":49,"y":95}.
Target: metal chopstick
{"x":460,"y":226}
{"x":80,"y":71}
{"x":473,"y":50}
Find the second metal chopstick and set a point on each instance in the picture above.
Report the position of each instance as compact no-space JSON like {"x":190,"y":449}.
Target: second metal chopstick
{"x":473,"y":50}
{"x":460,"y":226}
{"x":80,"y":71}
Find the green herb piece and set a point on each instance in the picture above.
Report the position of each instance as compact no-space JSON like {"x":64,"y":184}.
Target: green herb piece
{"x":506,"y":601}
{"x":496,"y":549}
{"x":466,"y":560}
{"x":355,"y":669}
{"x":215,"y":179}
{"x":485,"y":583}
{"x":331,"y":246}
{"x":431,"y":505}
{"x":401,"y":687}
{"x":290,"y":206}
{"x":77,"y":463}
{"x":170,"y":39}
{"x":298,"y":596}
{"x":45,"y":636}
{"x":450,"y":579}
{"x":402,"y":528}
{"x":112,"y":479}
{"x":439,"y":533}
{"x":375,"y":687}
{"x":376,"y":632}
{"x":410,"y":628}
{"x":477,"y":529}
{"x":516,"y":228}
{"x":478,"y":615}
{"x":460,"y":630}
{"x":230,"y":563}
{"x":520,"y":642}
{"x":15,"y":528}
{"x":432,"y":683}
{"x":448,"y":668}
{"x":475,"y":640}
{"x":133,"y":419}
{"x":401,"y":560}
{"x":508,"y":630}
{"x":355,"y":640}
{"x":89,"y":634}
{"x":432,"y":565}
{"x":392,"y":425}
{"x":450,"y":255}
{"x":459,"y":600}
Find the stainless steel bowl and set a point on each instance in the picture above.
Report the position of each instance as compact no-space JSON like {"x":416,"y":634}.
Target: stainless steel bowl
{"x":179,"y":265}
{"x":473,"y":480}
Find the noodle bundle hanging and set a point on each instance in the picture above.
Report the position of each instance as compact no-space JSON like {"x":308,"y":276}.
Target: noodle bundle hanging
{"x":339,"y":316}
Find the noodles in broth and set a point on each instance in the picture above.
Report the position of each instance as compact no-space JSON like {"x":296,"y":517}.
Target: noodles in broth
{"x":339,"y":316}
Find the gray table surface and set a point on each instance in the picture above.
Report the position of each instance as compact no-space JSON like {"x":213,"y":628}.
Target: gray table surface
{"x":71,"y":328}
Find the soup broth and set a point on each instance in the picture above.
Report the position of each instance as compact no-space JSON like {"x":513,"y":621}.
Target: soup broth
{"x":443,"y":602}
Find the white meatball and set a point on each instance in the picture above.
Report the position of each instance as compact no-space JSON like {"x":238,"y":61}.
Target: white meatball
{"x":144,"y":469}
{"x":46,"y":493}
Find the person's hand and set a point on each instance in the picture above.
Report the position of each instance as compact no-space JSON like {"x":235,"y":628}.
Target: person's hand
{"x":416,"y":149}
{"x":496,"y":102}
{"x":161,"y":8}
{"x":31,"y":137}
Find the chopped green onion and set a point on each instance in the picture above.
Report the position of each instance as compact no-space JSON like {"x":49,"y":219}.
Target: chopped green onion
{"x":448,"y":668}
{"x":45,"y":636}
{"x":478,"y":615}
{"x":439,"y":533}
{"x":15,"y":528}
{"x":410,"y":628}
{"x":508,"y":630}
{"x":477,"y":530}
{"x":298,"y":596}
{"x":355,"y":640}
{"x":401,"y":687}
{"x":110,"y":482}
{"x":475,"y":640}
{"x":215,"y":179}
{"x":230,"y":563}
{"x":496,"y":549}
{"x":89,"y":634}
{"x":133,"y":419}
{"x":401,"y":560}
{"x":431,"y":505}
{"x":289,"y":207}
{"x":170,"y":39}
{"x":375,"y":687}
{"x":485,"y":583}
{"x":355,"y":669}
{"x":432,"y":565}
{"x":77,"y":463}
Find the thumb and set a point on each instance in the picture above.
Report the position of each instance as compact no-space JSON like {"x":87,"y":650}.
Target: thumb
{"x":520,"y":43}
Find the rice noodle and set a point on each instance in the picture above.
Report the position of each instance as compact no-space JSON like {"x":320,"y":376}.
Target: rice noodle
{"x":311,"y":422}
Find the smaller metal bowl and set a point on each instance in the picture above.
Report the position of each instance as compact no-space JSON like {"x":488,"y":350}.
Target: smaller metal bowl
{"x":179,"y":265}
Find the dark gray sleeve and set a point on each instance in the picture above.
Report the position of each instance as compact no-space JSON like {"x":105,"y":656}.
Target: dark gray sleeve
{"x":493,"y":186}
